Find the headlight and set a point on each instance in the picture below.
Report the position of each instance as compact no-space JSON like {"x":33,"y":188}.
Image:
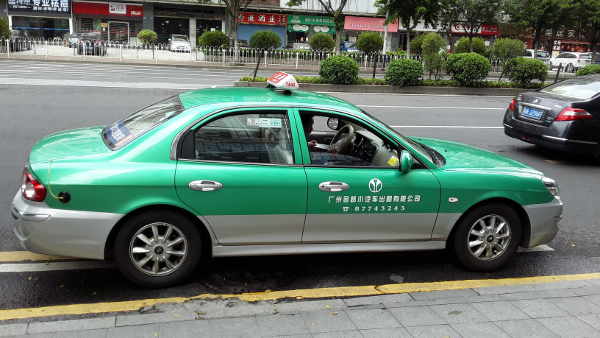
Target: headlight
{"x":551,"y":186}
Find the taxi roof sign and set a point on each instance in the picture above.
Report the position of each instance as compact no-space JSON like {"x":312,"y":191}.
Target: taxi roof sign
{"x":281,"y":80}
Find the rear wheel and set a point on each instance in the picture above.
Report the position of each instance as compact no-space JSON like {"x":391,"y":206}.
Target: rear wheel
{"x":569,"y":68}
{"x":487,"y":237}
{"x":158,"y":248}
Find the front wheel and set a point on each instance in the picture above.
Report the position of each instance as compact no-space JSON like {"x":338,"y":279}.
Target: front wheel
{"x":570,"y":68}
{"x":488,"y":237}
{"x":158,"y":248}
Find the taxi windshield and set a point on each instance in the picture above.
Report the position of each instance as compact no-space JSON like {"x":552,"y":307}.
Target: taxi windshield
{"x":180,"y":38}
{"x":125,"y":130}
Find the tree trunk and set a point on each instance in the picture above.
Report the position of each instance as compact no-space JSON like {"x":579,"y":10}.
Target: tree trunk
{"x":408,"y":30}
{"x":338,"y":39}
{"x":374,"y":65}
{"x":471,"y":42}
{"x":594,"y":49}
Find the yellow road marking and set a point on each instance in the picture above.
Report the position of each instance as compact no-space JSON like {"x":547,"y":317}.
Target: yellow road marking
{"x":19,"y":256}
{"x":369,"y":290}
{"x":559,"y":162}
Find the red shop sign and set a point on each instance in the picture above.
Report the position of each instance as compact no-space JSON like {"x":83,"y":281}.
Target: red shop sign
{"x":105,"y":8}
{"x":263,"y":18}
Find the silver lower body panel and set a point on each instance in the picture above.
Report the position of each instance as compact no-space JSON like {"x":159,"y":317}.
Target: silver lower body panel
{"x":544,"y":220}
{"x":49,"y":231}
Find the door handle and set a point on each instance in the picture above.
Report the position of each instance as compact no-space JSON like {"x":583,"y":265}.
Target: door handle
{"x":205,"y":185}
{"x":333,"y":186}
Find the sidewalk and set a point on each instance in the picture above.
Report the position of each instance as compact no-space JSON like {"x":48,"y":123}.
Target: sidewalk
{"x":558,"y":309}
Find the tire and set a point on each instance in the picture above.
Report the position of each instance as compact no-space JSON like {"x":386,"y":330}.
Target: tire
{"x":170,"y":268}
{"x":550,"y":66}
{"x":485,"y":257}
{"x":569,"y":69}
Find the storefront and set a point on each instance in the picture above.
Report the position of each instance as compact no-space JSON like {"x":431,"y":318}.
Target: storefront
{"x":116,"y":22}
{"x":191,"y":21}
{"x":354,"y":25}
{"x":40,"y":19}
{"x":253,"y":22}
{"x":488,"y":32}
{"x":300,"y":28}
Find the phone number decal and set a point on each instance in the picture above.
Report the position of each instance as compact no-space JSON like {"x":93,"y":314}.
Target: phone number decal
{"x":370,"y":208}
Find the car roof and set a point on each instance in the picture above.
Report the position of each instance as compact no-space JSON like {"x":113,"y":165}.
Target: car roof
{"x":252,"y":97}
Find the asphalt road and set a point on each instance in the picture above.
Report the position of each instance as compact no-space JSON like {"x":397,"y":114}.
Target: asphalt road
{"x":35,"y":102}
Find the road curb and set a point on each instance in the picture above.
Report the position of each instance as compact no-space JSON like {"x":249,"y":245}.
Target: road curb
{"x":427,"y":90}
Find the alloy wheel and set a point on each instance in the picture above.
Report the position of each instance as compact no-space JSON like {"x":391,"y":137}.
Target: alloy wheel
{"x":489,"y":237}
{"x":158,"y":249}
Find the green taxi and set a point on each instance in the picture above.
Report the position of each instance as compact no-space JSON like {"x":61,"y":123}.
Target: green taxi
{"x":265,"y":171}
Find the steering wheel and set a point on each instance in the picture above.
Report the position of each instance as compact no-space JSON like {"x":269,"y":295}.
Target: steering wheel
{"x":338,"y":144}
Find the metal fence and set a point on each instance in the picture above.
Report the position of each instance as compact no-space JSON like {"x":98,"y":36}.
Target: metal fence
{"x":165,"y":53}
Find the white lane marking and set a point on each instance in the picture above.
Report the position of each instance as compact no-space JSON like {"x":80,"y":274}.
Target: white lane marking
{"x":420,"y":107}
{"x":79,"y":83}
{"x":79,"y":265}
{"x":457,"y":127}
{"x":538,"y":248}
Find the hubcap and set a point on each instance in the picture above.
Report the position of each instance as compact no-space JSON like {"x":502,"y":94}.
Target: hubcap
{"x":158,"y":249}
{"x":489,"y":237}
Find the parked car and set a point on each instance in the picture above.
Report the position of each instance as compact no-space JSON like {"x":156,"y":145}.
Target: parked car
{"x":180,"y":43}
{"x":597,"y":57}
{"x":347,"y":46}
{"x":91,"y":43}
{"x":241,"y":43}
{"x":297,"y":45}
{"x":571,"y":61}
{"x":564,"y":116}
{"x":228,"y":172}
{"x":542,"y":55}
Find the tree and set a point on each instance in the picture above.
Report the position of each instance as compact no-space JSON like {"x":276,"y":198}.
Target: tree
{"x":322,"y":42}
{"x":584,"y":17}
{"x":336,"y":13}
{"x":370,"y":42}
{"x":147,"y":36}
{"x":213,"y":39}
{"x":538,"y":15}
{"x":433,"y":53}
{"x":4,"y":30}
{"x":265,"y":40}
{"x":464,"y":46}
{"x":506,"y":50}
{"x":410,"y":13}
{"x":473,"y":14}
{"x":233,"y":9}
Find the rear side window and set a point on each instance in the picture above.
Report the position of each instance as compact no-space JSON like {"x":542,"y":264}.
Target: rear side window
{"x":579,"y":88}
{"x":125,"y":130}
{"x":585,"y":56}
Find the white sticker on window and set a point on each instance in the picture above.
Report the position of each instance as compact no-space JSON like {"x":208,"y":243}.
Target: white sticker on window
{"x":272,"y":123}
{"x":253,"y":122}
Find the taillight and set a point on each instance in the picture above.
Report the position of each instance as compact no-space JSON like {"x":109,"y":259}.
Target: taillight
{"x":512,"y":104}
{"x":570,"y":114}
{"x":31,"y":189}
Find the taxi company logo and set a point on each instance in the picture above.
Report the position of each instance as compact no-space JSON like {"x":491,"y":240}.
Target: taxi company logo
{"x":375,"y":185}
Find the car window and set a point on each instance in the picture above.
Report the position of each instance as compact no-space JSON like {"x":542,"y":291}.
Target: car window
{"x":263,"y":137}
{"x":125,"y":130}
{"x":543,"y":54}
{"x":179,"y":38}
{"x":572,"y":56}
{"x":350,"y":44}
{"x":527,"y":53}
{"x":577,"y":88}
{"x":585,"y":57}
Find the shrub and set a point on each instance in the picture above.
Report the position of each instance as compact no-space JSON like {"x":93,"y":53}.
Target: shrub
{"x":369,"y":42}
{"x":404,"y":72}
{"x":505,"y":50}
{"x":587,"y":70}
{"x":432,"y":57}
{"x":265,"y":40}
{"x":147,"y":36}
{"x":468,"y":68}
{"x":4,"y":31}
{"x":522,"y":70}
{"x":322,"y":42}
{"x":463,"y":46}
{"x":399,"y":52}
{"x":416,"y":45}
{"x":339,"y":69}
{"x":213,"y":39}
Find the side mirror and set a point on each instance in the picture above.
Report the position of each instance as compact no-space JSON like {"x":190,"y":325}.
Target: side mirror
{"x":333,"y":123}
{"x":406,"y":161}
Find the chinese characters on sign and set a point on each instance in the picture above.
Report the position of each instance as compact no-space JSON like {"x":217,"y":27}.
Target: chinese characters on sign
{"x":310,"y":20}
{"x":263,"y":18}
{"x":117,"y":8}
{"x":482,"y":30}
{"x":373,"y":202}
{"x":58,"y":6}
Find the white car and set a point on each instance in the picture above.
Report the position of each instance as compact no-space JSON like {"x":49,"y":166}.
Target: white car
{"x":571,"y":61}
{"x":542,"y":55}
{"x":180,"y":43}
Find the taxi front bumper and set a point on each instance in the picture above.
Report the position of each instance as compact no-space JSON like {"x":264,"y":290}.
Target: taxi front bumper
{"x":543,"y":219}
{"x":69,"y":233}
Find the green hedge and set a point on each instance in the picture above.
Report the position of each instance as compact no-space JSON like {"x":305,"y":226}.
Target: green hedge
{"x":467,"y":68}
{"x":339,"y":69}
{"x":588,"y":70}
{"x":522,"y":70}
{"x":404,"y":72}
{"x":213,"y":39}
{"x":464,"y":47}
